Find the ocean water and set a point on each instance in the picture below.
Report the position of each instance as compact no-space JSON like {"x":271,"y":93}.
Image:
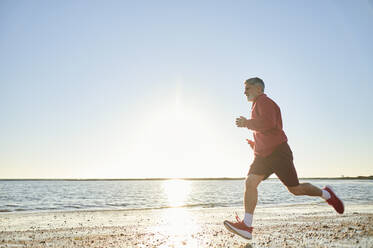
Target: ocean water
{"x":152,"y":194}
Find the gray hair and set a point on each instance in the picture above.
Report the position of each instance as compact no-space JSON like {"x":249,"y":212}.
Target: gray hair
{"x":255,"y":81}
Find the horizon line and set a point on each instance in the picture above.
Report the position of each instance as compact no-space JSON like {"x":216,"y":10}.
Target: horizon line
{"x":165,"y":178}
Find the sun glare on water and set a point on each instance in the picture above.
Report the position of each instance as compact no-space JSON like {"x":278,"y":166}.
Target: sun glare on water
{"x":176,"y":191}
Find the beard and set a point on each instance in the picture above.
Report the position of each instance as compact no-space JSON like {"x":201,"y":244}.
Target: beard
{"x":250,"y":98}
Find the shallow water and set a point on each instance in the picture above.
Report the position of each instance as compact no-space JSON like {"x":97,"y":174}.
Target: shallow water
{"x":89,"y":195}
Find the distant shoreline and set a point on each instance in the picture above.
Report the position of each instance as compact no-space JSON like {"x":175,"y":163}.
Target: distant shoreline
{"x":165,"y":178}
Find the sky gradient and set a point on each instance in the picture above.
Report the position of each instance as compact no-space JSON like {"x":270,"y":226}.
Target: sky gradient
{"x":137,"y":89}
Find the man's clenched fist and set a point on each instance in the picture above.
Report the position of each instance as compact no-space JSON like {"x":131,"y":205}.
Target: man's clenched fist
{"x":241,"y":122}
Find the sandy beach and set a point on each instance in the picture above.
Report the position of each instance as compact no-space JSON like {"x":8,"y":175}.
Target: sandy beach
{"x":314,"y":225}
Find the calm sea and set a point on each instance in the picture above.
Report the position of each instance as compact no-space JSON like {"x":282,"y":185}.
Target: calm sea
{"x":150,"y":194}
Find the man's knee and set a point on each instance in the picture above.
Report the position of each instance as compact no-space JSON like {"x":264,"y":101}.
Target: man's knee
{"x":296,"y":190}
{"x":252,"y":181}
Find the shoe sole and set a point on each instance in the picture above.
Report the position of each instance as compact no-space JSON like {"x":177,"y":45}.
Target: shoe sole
{"x":234,"y":231}
{"x":330,"y":187}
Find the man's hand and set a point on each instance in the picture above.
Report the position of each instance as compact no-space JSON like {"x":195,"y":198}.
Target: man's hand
{"x":251,"y":143}
{"x":241,"y":122}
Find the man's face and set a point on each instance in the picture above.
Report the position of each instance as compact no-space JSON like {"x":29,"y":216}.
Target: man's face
{"x":251,"y":91}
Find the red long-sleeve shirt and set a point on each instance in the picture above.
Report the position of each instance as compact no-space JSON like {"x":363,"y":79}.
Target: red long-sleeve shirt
{"x":266,"y":122}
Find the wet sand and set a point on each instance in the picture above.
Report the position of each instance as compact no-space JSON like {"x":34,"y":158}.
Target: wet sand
{"x":286,"y":226}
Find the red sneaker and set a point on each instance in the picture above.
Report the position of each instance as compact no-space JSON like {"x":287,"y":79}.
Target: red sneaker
{"x":239,"y":228}
{"x":334,"y":200}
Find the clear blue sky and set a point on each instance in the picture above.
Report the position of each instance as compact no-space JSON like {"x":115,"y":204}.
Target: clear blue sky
{"x":124,"y":89}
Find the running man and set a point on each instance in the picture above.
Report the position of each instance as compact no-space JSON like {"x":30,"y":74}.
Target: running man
{"x":272,"y":155}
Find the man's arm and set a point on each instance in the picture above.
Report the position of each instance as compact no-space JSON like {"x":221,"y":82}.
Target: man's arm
{"x":266,"y":118}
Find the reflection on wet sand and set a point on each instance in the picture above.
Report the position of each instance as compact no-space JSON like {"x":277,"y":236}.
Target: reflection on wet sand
{"x":176,"y":226}
{"x":181,"y":227}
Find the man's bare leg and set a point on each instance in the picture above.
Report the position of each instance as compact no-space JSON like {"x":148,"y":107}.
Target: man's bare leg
{"x":306,"y":189}
{"x":251,"y":192}
{"x":326,"y":193}
{"x":244,"y":228}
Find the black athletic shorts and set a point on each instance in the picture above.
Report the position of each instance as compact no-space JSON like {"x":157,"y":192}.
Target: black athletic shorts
{"x":280,"y":162}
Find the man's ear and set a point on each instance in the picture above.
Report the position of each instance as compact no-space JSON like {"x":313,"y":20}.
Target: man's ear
{"x":259,"y":88}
